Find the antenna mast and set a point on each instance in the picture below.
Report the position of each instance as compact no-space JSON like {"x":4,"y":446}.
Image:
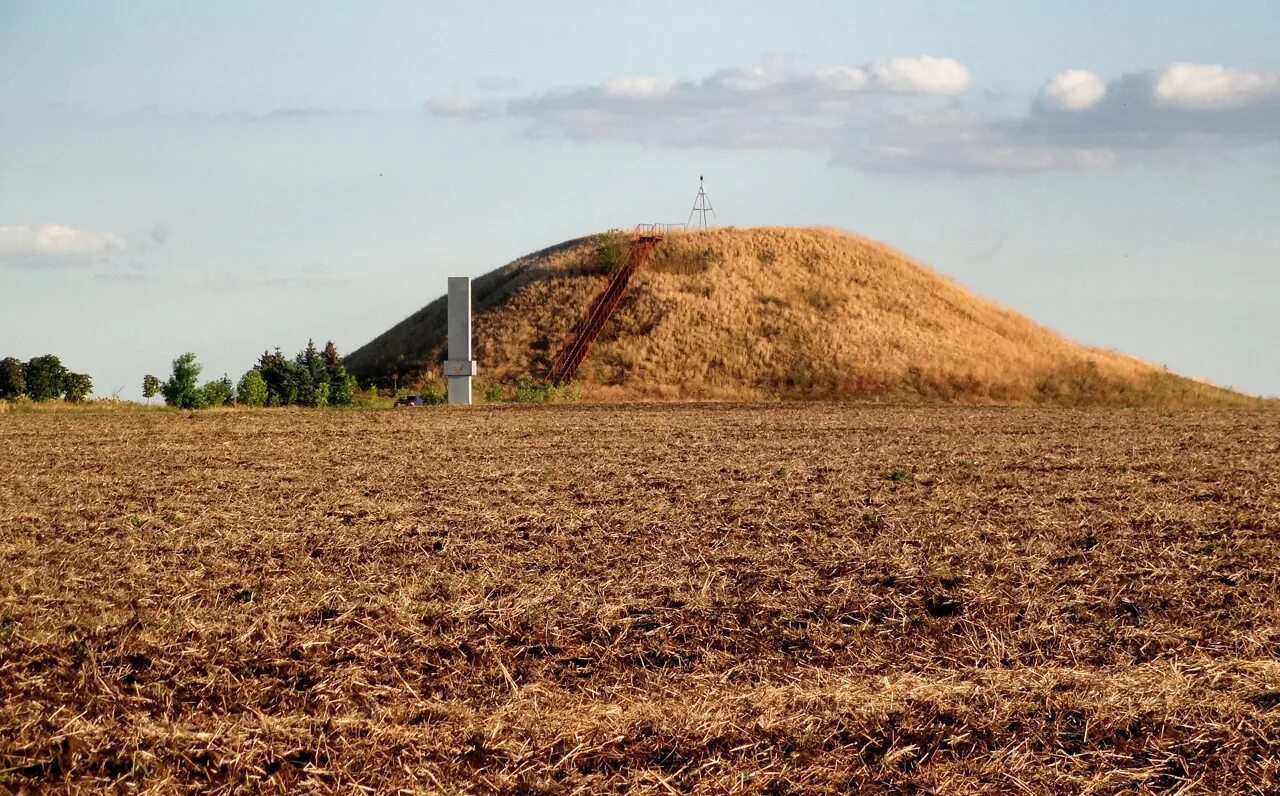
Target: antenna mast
{"x":701,"y":206}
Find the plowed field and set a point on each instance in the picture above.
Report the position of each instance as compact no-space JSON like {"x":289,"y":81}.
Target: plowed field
{"x":642,"y":599}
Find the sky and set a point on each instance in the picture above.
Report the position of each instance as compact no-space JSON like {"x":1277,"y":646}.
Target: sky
{"x":226,"y":178}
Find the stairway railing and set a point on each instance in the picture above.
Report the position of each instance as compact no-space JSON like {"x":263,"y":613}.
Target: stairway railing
{"x":585,"y":333}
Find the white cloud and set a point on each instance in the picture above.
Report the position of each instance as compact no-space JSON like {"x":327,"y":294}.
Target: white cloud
{"x":923,"y":75}
{"x":773,"y":84}
{"x":1213,"y":87}
{"x":54,"y":244}
{"x":912,"y":113}
{"x":1073,"y":90}
{"x":773,"y":104}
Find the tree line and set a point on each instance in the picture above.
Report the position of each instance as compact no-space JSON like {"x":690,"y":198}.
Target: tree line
{"x":314,"y":378}
{"x":42,"y":379}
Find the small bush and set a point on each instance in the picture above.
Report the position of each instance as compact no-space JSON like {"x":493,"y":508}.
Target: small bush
{"x":609,"y":250}
{"x":219,"y":392}
{"x":494,"y":394}
{"x":530,"y":392}
{"x":899,"y":475}
{"x":252,"y":390}
{"x":343,"y":389}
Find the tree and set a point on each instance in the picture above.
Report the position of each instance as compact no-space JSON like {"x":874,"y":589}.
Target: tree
{"x":76,"y":387}
{"x":44,"y":377}
{"x":342,"y":386}
{"x":181,"y":389}
{"x":330,"y":354}
{"x":342,"y":392}
{"x":218,"y":392}
{"x":281,"y":378}
{"x":311,"y":374}
{"x":150,"y":386}
{"x":13,"y":383}
{"x":252,"y":390}
{"x":312,"y":378}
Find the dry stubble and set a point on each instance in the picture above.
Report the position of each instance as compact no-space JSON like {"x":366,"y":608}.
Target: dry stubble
{"x":764,"y":599}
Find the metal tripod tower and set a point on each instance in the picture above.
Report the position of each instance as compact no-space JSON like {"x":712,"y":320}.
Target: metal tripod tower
{"x":701,"y":206}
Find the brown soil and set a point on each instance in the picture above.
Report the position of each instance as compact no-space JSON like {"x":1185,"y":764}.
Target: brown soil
{"x":651,"y":599}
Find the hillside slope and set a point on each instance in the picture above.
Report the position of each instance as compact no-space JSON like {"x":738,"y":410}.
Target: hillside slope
{"x":768,"y":312}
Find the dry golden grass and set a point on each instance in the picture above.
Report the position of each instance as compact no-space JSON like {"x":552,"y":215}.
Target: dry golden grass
{"x":773,"y":312}
{"x":654,"y":599}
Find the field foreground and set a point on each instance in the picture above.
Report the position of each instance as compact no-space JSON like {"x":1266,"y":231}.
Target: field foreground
{"x":665,"y":599}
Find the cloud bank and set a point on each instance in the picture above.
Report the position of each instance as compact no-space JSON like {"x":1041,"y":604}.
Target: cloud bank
{"x":911,"y":113}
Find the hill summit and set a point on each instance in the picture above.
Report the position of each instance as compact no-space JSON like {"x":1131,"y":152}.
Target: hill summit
{"x":767,"y":313}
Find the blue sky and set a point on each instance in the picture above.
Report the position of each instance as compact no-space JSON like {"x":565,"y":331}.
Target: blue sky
{"x":224,"y":178}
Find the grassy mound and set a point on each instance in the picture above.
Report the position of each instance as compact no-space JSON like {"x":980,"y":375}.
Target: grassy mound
{"x":769,"y":313}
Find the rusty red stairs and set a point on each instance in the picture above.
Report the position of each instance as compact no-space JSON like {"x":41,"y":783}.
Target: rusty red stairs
{"x":585,"y":332}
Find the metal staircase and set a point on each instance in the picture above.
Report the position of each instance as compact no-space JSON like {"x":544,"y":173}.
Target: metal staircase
{"x":565,"y":364}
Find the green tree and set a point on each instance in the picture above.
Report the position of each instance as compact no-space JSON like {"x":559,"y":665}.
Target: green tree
{"x":281,"y":377}
{"x":218,"y":392}
{"x":13,"y":383}
{"x":150,"y":387}
{"x":181,"y":389}
{"x":311,"y":374}
{"x":320,"y":397}
{"x":252,"y":390}
{"x":44,"y":377}
{"x":342,"y":385}
{"x":76,"y":387}
{"x":342,"y":392}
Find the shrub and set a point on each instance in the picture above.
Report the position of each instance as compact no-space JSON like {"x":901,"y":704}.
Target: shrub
{"x":529,"y":391}
{"x":494,"y":393}
{"x":320,"y":395}
{"x":251,"y":390}
{"x":76,"y":387}
{"x":343,"y":390}
{"x":609,"y":250}
{"x":44,"y":376}
{"x":219,"y":392}
{"x":433,"y":394}
{"x":12,"y":381}
{"x":181,"y":390}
